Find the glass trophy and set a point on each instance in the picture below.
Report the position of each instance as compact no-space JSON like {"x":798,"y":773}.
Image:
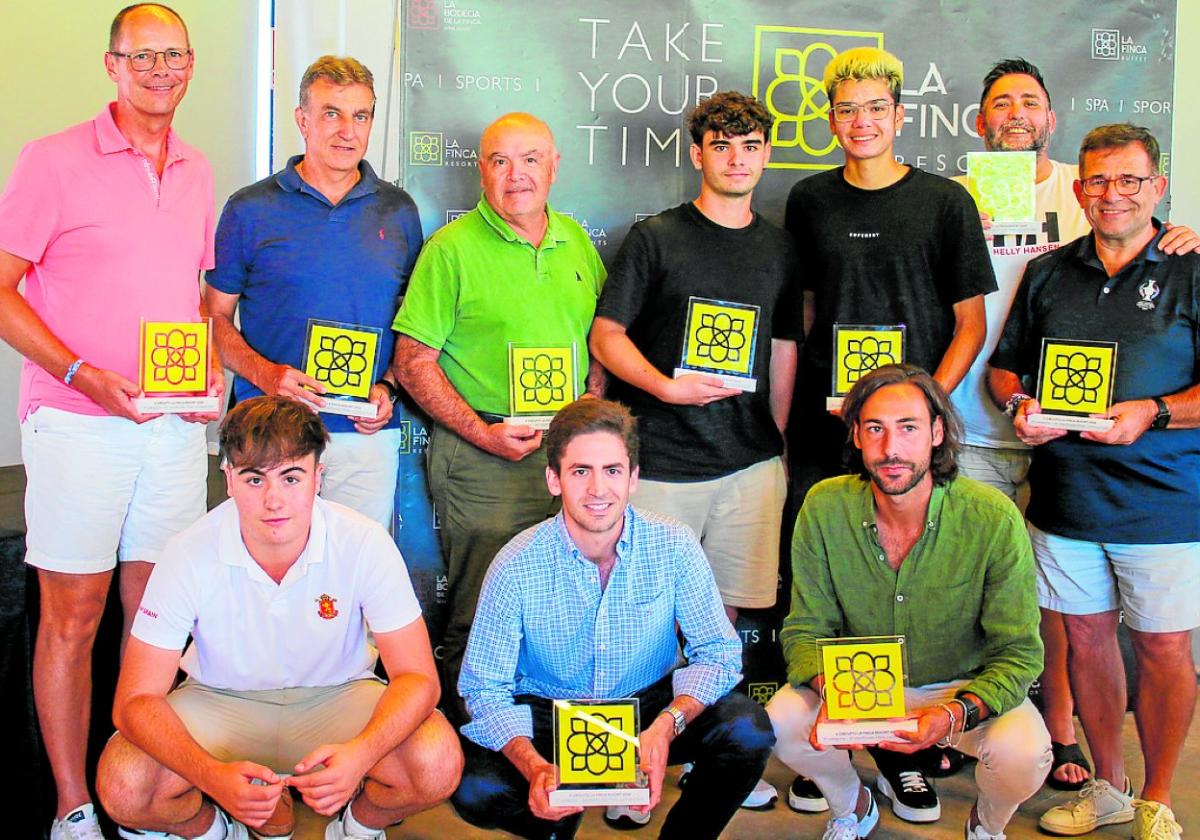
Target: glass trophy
{"x":1075,"y":380}
{"x":1002,"y":184}
{"x":173,"y":361}
{"x":865,"y":678}
{"x":596,"y":752}
{"x":719,"y":340}
{"x":857,"y":350}
{"x":541,"y":380}
{"x":343,"y":358}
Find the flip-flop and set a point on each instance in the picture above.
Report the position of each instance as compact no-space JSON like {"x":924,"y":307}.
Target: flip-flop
{"x":1067,"y":754}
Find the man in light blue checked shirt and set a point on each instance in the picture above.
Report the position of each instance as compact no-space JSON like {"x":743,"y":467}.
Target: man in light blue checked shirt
{"x":586,"y":605}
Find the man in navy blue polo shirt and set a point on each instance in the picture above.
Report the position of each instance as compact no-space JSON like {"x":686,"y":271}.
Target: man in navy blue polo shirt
{"x":1114,"y":515}
{"x":323,"y":239}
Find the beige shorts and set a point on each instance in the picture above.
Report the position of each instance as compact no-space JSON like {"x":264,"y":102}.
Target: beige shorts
{"x":274,"y":728}
{"x":737,"y":518}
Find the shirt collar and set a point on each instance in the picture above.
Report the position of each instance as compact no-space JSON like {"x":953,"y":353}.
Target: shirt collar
{"x":110,"y":139}
{"x":933,"y":513}
{"x":554,"y":226}
{"x":233,"y":551}
{"x":1151,"y":253}
{"x":624,"y":544}
{"x":289,"y":179}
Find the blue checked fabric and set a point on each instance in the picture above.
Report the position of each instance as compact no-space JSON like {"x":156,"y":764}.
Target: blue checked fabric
{"x":544,"y":627}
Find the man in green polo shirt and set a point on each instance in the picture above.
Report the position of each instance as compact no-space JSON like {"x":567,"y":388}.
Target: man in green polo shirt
{"x":511,"y":271}
{"x":908,"y":548}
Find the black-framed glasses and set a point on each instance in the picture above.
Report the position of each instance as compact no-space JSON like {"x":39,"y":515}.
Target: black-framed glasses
{"x":143,"y":60}
{"x":1126,"y":184}
{"x":876,"y":109}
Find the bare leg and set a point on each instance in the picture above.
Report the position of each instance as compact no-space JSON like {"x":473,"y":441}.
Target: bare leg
{"x":71,"y":606}
{"x":140,"y":793}
{"x":131,"y":580}
{"x":1098,"y":682}
{"x":1166,"y":698}
{"x":417,"y":775}
{"x":1058,"y":705}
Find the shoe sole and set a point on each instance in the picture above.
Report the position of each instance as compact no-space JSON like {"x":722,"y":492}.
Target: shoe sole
{"x":912,"y":815}
{"x":1074,"y":831}
{"x":625,"y":824}
{"x":768,"y":805}
{"x":805,"y":805}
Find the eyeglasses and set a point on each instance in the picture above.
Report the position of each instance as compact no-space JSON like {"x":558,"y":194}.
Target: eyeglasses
{"x":1126,"y":184}
{"x":876,"y":109}
{"x":143,"y":60}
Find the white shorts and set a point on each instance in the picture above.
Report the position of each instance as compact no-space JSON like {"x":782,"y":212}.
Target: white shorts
{"x":737,"y":519}
{"x":100,"y":488}
{"x":1157,"y":585}
{"x":360,"y":473}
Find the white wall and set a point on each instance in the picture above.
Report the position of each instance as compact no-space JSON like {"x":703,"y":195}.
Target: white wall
{"x":53,"y":76}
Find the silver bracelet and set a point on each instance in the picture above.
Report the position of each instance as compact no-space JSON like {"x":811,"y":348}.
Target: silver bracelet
{"x":72,"y":370}
{"x":945,"y":743}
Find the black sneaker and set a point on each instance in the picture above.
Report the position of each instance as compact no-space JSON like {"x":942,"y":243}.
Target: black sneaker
{"x":902,"y":780}
{"x":804,"y":796}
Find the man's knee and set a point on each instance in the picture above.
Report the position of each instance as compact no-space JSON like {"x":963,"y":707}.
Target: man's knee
{"x":743,"y":726}
{"x":482,"y":797}
{"x":127,"y":781}
{"x":430,"y":763}
{"x":71,"y":605}
{"x":1164,"y":650}
{"x":1019,"y":746}
{"x":1091,"y":632}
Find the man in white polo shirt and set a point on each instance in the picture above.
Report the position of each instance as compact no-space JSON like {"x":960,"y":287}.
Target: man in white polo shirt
{"x":277,"y":589}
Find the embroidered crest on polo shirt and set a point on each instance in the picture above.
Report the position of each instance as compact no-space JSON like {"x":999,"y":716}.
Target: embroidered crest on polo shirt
{"x":857,"y":234}
{"x":326,"y":608}
{"x":1148,"y":291}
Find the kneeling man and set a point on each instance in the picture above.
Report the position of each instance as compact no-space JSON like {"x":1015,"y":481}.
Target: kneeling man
{"x":586,"y":605}
{"x":906,"y":547}
{"x":277,"y":589}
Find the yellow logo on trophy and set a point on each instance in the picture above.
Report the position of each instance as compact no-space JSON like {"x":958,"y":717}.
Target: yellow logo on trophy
{"x":1075,"y":380}
{"x":596,"y":752}
{"x":343,"y":357}
{"x":857,"y":350}
{"x":541,"y":380}
{"x":173,"y":368}
{"x":864,"y":690}
{"x":720,"y":339}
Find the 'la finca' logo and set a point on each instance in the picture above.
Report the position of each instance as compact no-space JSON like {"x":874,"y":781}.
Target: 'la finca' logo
{"x":327,"y":607}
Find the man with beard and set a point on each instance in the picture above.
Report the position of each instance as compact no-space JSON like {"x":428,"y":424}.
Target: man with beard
{"x":882,"y":553}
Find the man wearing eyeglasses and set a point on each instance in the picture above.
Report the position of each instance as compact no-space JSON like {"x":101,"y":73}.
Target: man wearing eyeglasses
{"x":1112,"y":514}
{"x":108,"y":223}
{"x":883,"y":244}
{"x":285,"y":247}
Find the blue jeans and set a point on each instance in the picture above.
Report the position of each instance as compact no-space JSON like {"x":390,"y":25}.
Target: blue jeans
{"x":729,"y":743}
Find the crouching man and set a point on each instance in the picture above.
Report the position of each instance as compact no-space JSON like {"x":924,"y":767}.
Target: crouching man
{"x":586,"y":605}
{"x":278,"y":590}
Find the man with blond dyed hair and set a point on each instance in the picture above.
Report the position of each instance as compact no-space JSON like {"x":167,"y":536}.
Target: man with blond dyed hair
{"x":884,"y":243}
{"x":326,"y":239}
{"x":511,"y":270}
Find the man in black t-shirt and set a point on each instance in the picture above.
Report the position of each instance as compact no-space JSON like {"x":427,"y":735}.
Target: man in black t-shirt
{"x":699,"y":323}
{"x":884,"y":244}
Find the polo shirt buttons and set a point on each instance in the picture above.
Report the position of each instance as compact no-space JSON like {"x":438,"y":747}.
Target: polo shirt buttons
{"x":1107,"y":290}
{"x":900,"y":599}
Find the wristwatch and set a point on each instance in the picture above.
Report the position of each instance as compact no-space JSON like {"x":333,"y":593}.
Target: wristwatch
{"x":972,"y":711}
{"x":393,"y":395}
{"x":1164,"y":414}
{"x":680,"y":720}
{"x":1014,"y":402}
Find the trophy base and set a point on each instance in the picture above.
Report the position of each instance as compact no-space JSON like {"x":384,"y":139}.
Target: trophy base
{"x":741,"y":383}
{"x":1071,"y":422}
{"x":834,"y":403}
{"x":541,"y":422}
{"x":599,"y":796}
{"x":350,"y":408}
{"x":1016,"y":228}
{"x":840,"y":732}
{"x":199,"y":404}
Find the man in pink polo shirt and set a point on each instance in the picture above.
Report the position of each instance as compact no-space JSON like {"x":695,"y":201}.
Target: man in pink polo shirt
{"x":108,"y":223}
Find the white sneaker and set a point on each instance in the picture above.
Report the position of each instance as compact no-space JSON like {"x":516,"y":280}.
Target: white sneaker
{"x":80,"y":824}
{"x":336,"y":830}
{"x":980,"y":833}
{"x":623,"y":817}
{"x":1097,"y":803}
{"x":234,"y":830}
{"x":762,"y":798}
{"x":851,"y":827}
{"x":1154,"y":821}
